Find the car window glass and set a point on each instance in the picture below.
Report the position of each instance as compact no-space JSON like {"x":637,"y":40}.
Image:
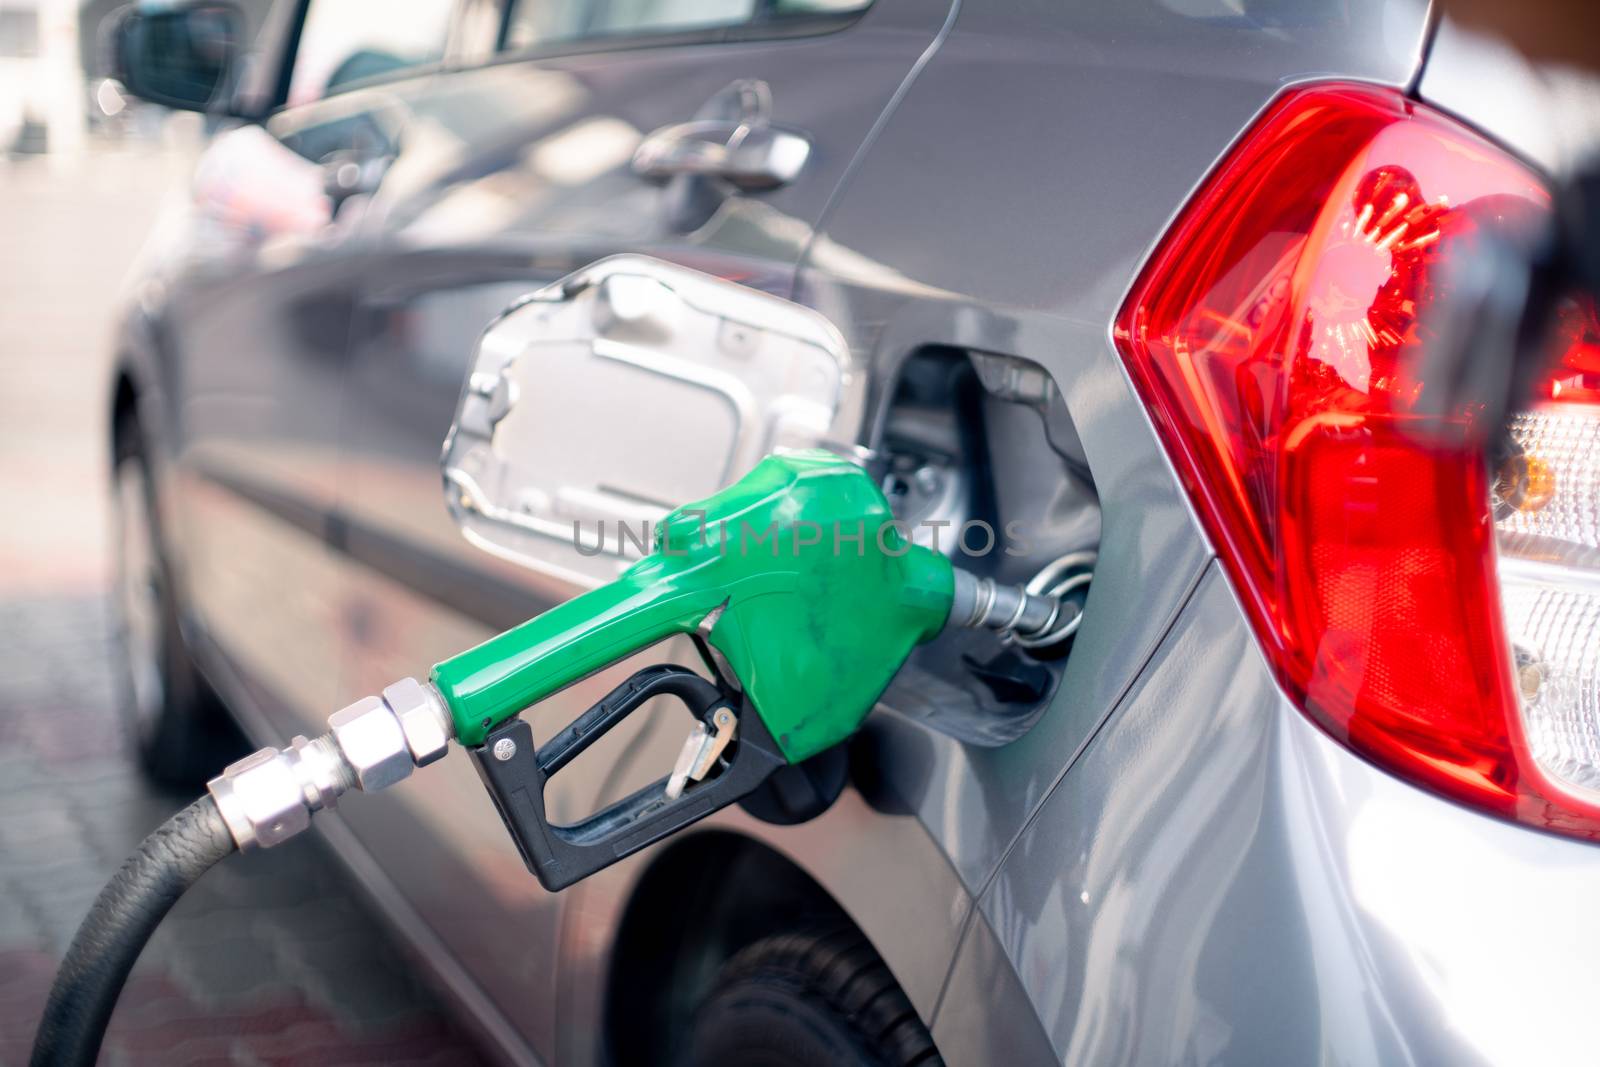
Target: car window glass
{"x":345,"y":42}
{"x":536,"y":23}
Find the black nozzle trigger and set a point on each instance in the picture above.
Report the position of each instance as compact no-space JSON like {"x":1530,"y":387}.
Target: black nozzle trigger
{"x":516,"y":774}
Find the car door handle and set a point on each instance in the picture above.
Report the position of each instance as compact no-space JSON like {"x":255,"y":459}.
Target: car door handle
{"x":751,"y":156}
{"x":348,"y":173}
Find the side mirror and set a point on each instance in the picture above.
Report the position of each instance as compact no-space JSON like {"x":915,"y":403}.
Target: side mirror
{"x":594,"y":406}
{"x":179,"y":57}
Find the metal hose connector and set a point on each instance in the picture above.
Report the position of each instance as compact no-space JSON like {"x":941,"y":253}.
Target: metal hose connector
{"x":262,"y":800}
{"x":271,"y":795}
{"x":1031,"y":616}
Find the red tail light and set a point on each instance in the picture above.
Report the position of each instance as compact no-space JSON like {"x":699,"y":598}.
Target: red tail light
{"x":1275,"y":337}
{"x":1576,"y":377}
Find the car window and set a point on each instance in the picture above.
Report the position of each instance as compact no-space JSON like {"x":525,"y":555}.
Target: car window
{"x":346,"y":42}
{"x":538,"y":23}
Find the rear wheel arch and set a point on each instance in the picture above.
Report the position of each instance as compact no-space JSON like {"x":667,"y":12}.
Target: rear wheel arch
{"x":139,"y":405}
{"x":135,"y":411}
{"x":124,"y":400}
{"x":179,"y":731}
{"x":698,"y":905}
{"x":144,"y":378}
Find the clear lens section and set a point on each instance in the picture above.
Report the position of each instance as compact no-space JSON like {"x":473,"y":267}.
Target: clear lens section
{"x":1548,"y":520}
{"x":1553,"y":621}
{"x":1552,"y":491}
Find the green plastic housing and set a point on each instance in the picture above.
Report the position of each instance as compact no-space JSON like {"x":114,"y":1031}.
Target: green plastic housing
{"x":823,"y":598}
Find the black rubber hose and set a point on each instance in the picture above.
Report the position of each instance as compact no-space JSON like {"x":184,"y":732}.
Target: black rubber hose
{"x":114,"y":932}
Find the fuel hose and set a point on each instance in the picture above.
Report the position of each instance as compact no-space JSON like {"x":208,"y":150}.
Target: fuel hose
{"x":258,"y":802}
{"x":114,"y":932}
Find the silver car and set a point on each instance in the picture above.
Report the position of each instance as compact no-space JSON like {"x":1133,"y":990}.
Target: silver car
{"x":1316,"y":778}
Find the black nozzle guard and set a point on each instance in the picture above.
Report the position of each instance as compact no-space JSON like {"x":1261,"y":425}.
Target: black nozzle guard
{"x":561,"y":855}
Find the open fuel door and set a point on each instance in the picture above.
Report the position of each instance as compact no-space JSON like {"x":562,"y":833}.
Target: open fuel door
{"x":594,"y":404}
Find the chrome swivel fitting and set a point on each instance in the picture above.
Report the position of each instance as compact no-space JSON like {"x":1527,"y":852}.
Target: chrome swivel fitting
{"x":269,"y":796}
{"x":1032,"y":616}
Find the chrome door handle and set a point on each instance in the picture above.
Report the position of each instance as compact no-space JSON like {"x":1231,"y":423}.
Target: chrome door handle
{"x":749,"y":155}
{"x":347,"y":173}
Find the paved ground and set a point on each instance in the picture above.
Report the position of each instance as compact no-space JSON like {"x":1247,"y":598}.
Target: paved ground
{"x":69,"y":232}
{"x":271,"y":959}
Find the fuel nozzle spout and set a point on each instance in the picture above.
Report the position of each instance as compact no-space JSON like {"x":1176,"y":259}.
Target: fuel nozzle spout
{"x":1032,"y":616}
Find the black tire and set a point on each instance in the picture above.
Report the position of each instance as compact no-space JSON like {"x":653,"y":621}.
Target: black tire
{"x":808,"y":1000}
{"x":179,"y":732}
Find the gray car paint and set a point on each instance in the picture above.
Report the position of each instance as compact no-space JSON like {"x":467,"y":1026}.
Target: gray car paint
{"x":1037,"y":266}
{"x":1544,"y":113}
{"x":512,"y":129}
{"x":1010,"y":182}
{"x":1047,"y":291}
{"x":434,"y":266}
{"x":1217,"y":881}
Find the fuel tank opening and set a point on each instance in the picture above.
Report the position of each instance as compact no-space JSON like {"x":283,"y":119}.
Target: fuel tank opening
{"x":959,"y":450}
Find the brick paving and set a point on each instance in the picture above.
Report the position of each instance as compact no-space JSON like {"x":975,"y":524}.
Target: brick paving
{"x":271,"y":959}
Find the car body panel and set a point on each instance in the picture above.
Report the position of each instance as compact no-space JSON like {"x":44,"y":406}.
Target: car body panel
{"x":853,"y":850}
{"x":1173,"y":864}
{"x":1036,"y":267}
{"x":1545,"y":113}
{"x":513,"y":175}
{"x":1218,"y":881}
{"x":986,"y":1014}
{"x":250,"y":292}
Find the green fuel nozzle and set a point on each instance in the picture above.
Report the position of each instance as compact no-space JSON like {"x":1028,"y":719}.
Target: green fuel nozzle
{"x":804,"y":597}
{"x":794,"y":576}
